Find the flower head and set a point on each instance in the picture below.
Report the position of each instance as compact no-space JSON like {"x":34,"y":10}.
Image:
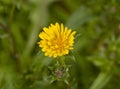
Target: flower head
{"x":56,"y":40}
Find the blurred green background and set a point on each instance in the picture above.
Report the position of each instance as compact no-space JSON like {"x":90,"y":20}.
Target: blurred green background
{"x":95,"y":60}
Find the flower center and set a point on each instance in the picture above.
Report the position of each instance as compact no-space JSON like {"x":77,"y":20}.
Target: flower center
{"x":59,"y":43}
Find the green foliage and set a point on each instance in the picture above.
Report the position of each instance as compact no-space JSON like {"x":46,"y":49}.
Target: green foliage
{"x":93,"y":64}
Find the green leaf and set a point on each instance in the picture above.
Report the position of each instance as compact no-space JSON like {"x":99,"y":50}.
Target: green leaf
{"x":101,"y":80}
{"x":79,"y":17}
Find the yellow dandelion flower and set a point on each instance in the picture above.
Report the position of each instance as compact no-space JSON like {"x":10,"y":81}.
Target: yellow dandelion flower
{"x":56,"y":40}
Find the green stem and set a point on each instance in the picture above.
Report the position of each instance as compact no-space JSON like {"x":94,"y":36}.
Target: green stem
{"x":11,"y":14}
{"x":61,"y":61}
{"x":102,"y":79}
{"x":68,"y":84}
{"x":8,"y":29}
